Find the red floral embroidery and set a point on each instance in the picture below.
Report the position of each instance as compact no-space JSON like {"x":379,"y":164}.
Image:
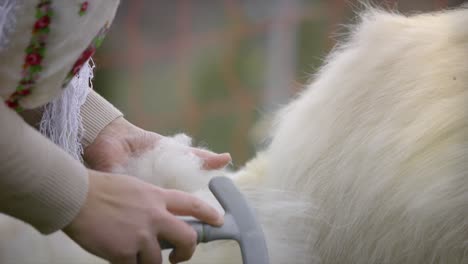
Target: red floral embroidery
{"x":87,"y":53}
{"x":12,"y":104}
{"x":43,"y":22}
{"x":83,"y":8}
{"x":33,"y":59}
{"x":22,"y":92}
{"x":83,"y":58}
{"x":34,"y":54}
{"x":36,"y":50}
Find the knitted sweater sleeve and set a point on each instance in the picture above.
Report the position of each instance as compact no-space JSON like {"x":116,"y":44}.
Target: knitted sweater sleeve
{"x":96,"y":114}
{"x":39,"y":183}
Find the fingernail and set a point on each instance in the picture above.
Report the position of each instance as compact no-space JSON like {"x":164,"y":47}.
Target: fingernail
{"x":226,"y":154}
{"x":220,"y":221}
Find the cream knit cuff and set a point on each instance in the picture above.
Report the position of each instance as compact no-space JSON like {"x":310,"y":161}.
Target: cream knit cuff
{"x":96,"y":114}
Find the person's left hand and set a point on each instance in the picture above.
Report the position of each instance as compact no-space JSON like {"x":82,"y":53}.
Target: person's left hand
{"x":120,"y":140}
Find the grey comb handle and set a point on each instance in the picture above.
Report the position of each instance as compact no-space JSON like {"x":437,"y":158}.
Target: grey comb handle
{"x":207,"y":233}
{"x":240,"y":223}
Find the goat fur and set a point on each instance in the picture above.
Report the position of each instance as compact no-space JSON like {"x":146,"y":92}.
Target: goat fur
{"x":369,"y":164}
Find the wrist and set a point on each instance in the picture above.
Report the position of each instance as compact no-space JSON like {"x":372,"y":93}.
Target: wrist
{"x":111,"y":136}
{"x":118,"y":141}
{"x":118,"y":127}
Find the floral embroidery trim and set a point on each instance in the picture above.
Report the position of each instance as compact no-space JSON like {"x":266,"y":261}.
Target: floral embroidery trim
{"x":36,"y":50}
{"x":83,"y":8}
{"x":35,"y":53}
{"x":87,"y":53}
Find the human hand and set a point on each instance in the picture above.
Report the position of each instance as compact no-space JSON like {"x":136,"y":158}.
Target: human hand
{"x":120,"y":140}
{"x":123,"y":218}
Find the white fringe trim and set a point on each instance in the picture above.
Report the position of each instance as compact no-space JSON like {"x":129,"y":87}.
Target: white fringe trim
{"x":61,"y":121}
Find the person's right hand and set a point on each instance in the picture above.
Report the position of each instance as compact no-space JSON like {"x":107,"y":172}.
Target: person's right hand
{"x":123,"y":218}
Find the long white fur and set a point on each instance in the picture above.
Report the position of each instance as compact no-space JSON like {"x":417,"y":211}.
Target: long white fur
{"x":386,"y":159}
{"x":369,"y":164}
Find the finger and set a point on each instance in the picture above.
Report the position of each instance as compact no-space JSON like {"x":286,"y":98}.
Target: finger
{"x":150,"y":252}
{"x":180,"y":235}
{"x":212,"y":161}
{"x":181,"y":203}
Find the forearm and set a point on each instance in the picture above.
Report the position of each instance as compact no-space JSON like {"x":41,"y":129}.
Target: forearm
{"x":39,"y":183}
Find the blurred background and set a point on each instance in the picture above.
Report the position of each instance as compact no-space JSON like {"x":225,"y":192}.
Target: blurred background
{"x":217,"y":69}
